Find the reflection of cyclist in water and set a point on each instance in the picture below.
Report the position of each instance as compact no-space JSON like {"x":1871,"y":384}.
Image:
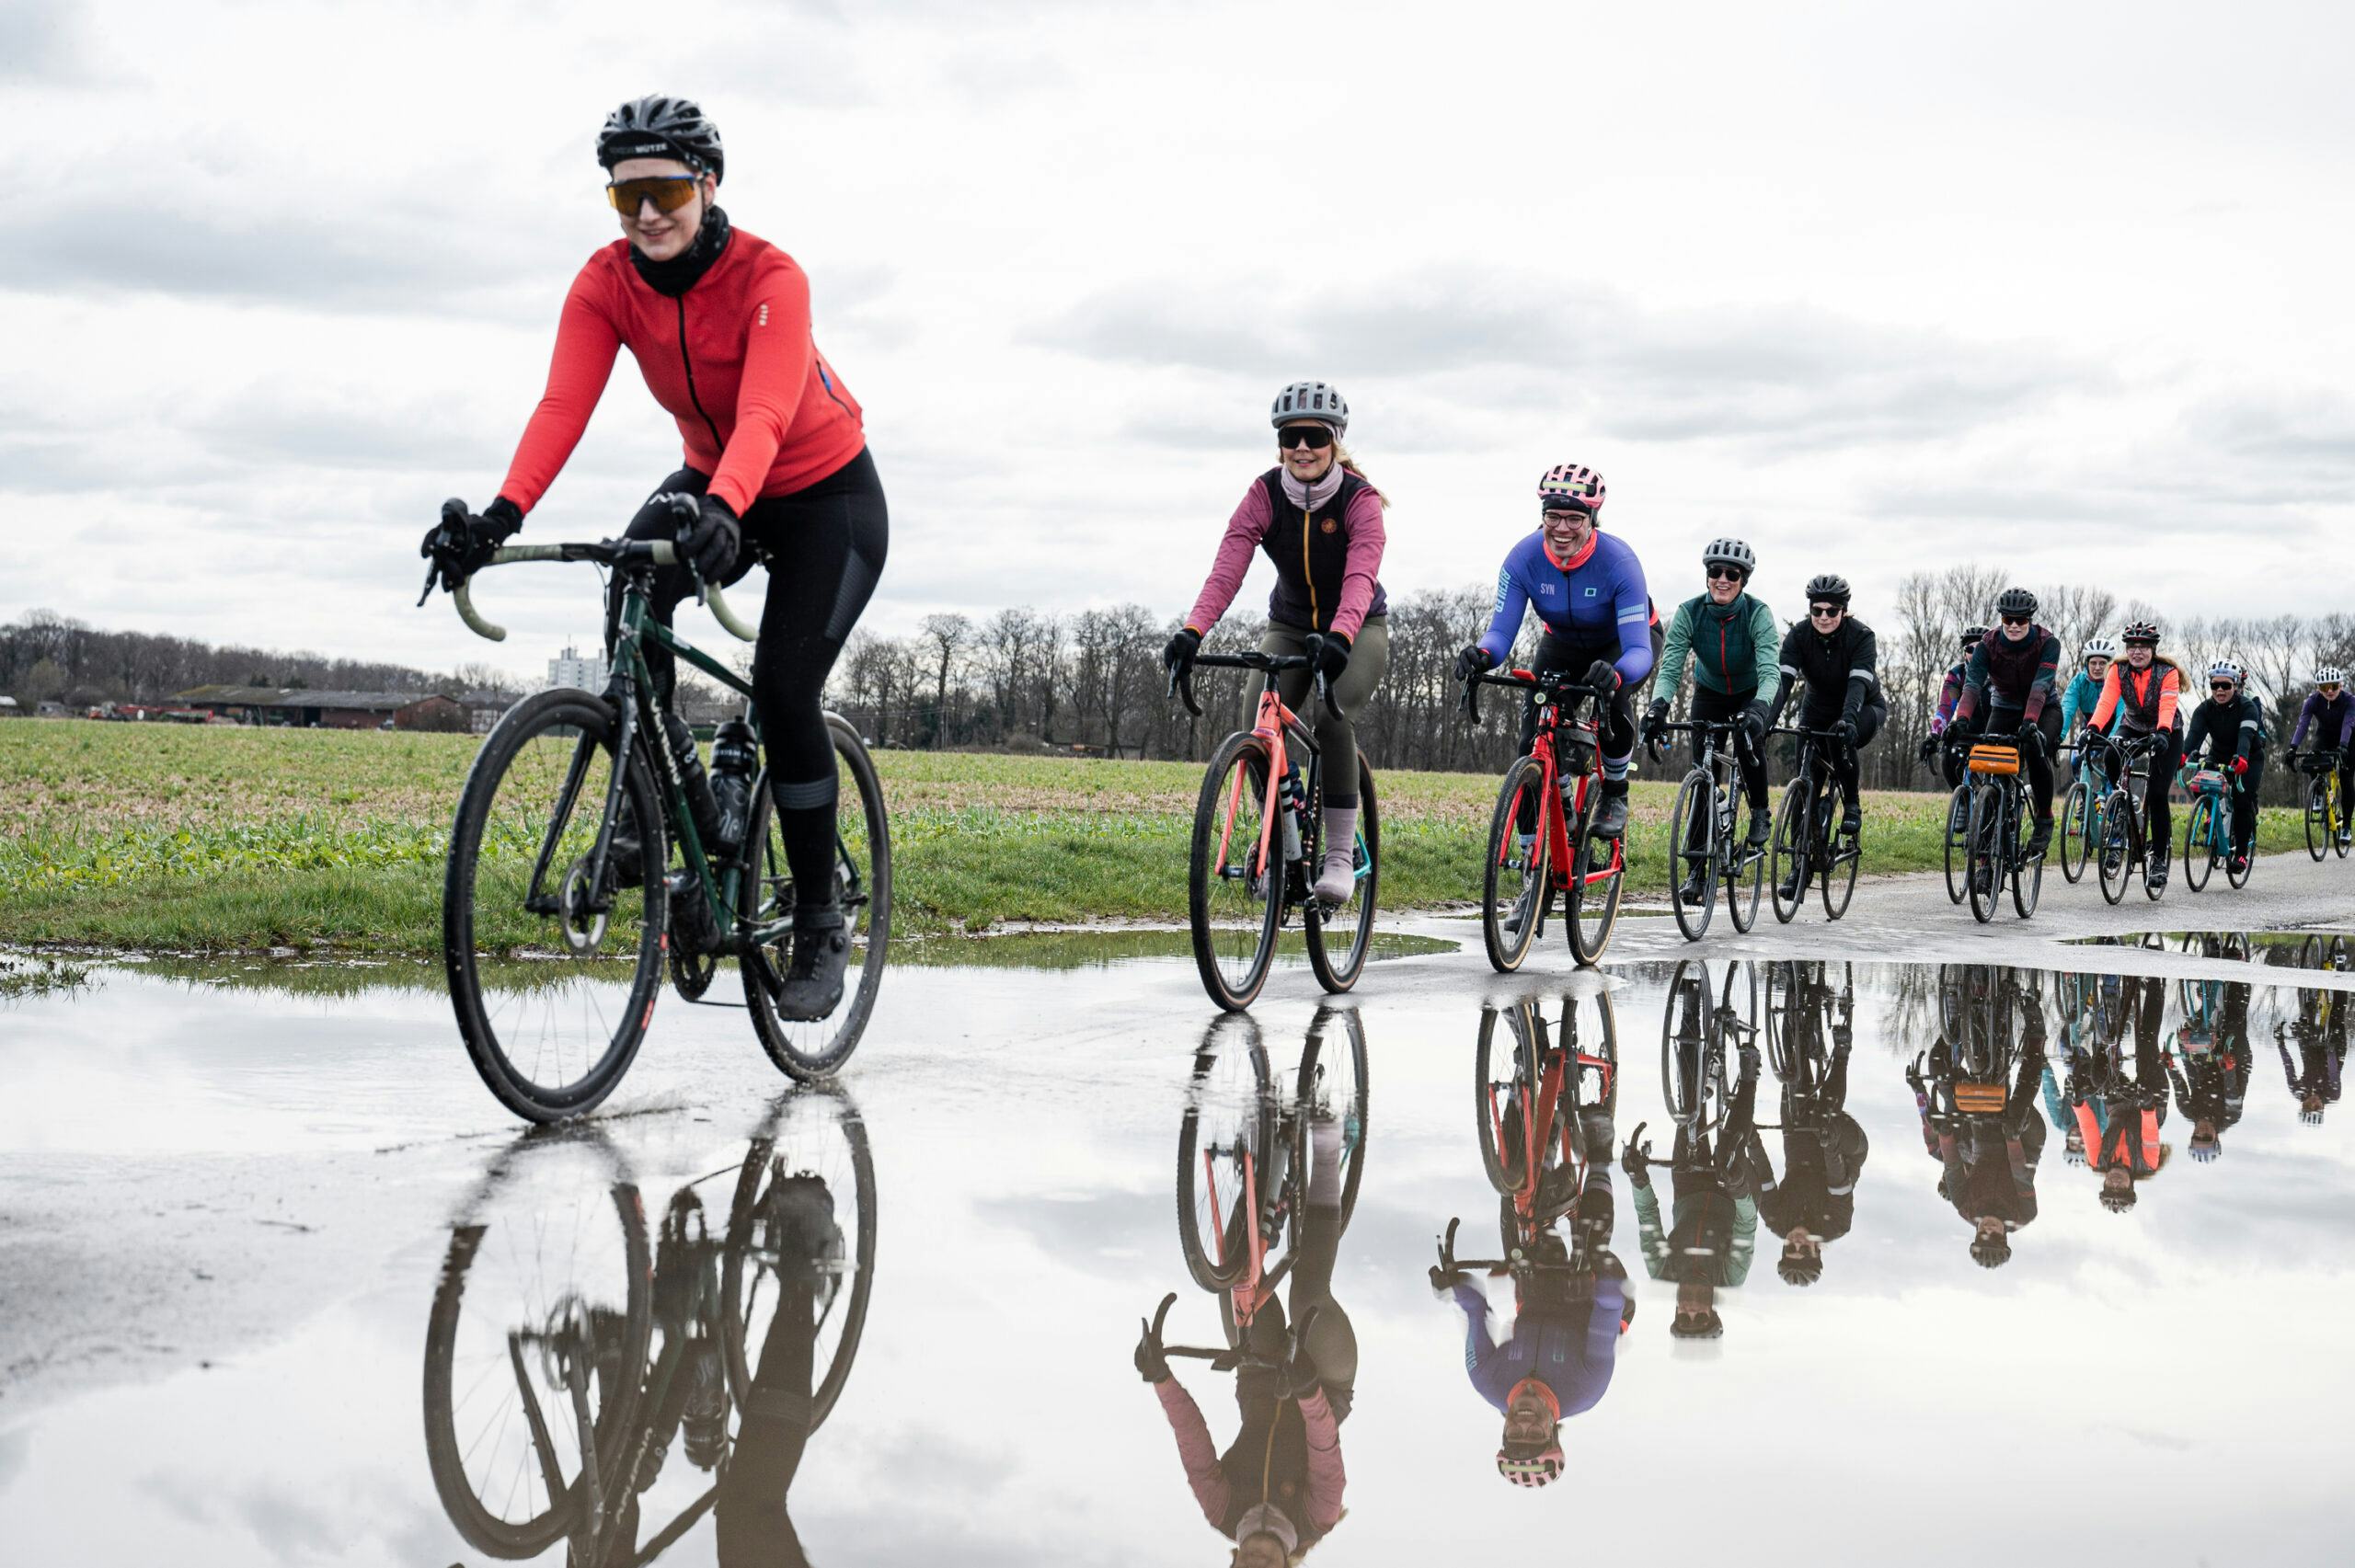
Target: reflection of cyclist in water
{"x":2320,"y":1030}
{"x":1556,"y":1360}
{"x":1713,"y":1228}
{"x":2086,"y":1001}
{"x":2119,"y":1114}
{"x":2209,"y":1064}
{"x":754,"y":1530}
{"x":1277,"y":1489}
{"x":1986,"y":1140}
{"x":1823,"y":1146}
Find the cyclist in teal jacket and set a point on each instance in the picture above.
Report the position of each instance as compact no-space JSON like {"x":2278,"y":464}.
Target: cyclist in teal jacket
{"x":1730,"y":639}
{"x":2083,"y":694}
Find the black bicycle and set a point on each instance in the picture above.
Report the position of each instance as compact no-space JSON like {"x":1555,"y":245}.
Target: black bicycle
{"x":1701,"y":833}
{"x":1995,"y":838}
{"x":2120,"y":854}
{"x":539,"y":866}
{"x":1806,"y":848}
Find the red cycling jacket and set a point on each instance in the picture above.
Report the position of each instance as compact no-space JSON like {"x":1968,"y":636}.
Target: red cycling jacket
{"x":731,"y":359}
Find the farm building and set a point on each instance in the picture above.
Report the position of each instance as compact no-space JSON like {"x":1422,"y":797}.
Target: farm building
{"x":299,"y":708}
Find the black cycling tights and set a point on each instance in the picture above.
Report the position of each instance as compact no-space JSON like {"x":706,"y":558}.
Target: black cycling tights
{"x":824,"y":547}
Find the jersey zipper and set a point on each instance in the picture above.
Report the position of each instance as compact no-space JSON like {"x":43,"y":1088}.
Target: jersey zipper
{"x":688,"y":366}
{"x":1307,"y":571}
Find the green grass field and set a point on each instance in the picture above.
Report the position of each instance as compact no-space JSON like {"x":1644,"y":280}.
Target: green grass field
{"x":171,"y":836}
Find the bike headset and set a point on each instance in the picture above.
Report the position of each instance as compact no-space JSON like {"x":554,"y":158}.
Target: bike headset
{"x":1990,"y":1251}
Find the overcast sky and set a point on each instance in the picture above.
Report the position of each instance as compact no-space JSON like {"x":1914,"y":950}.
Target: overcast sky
{"x":2059,"y":289}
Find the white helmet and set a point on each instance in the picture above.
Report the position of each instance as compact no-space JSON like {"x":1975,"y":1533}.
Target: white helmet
{"x":1318,"y":400}
{"x":2330,"y":675}
{"x":2225,"y":669}
{"x":2101,"y":647}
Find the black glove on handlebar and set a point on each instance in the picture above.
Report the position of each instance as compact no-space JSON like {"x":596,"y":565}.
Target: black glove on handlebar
{"x":1472,"y":661}
{"x":1655,"y":721}
{"x":461,"y":544}
{"x":711,"y":541}
{"x":1178,"y":657}
{"x":1603,"y":676}
{"x":1930,"y":747}
{"x":1329,"y":654}
{"x":1757,"y":722}
{"x":1151,"y":1365}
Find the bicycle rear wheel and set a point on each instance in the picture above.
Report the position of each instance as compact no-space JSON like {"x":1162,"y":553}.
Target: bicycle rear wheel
{"x":1504,"y":1091}
{"x":1222,"y":1145}
{"x":1749,"y":865}
{"x":2198,"y":830}
{"x":1958,"y":843}
{"x":1693,"y":853}
{"x":2248,"y":863}
{"x":1794,"y":832}
{"x":1338,"y":943}
{"x":2119,"y":856}
{"x":2338,"y":841}
{"x":2076,"y":829}
{"x":2318,"y":830}
{"x":1514,"y":881}
{"x":1332,"y":1086}
{"x":1839,"y":874}
{"x":1684,"y":1027}
{"x":1598,"y":869}
{"x":552,"y":1038}
{"x":1234,"y":903}
{"x":2027,"y":870}
{"x":1986,"y":867}
{"x":815,"y":1049}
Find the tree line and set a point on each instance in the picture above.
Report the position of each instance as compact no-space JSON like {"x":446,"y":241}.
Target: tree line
{"x":1026,"y":680}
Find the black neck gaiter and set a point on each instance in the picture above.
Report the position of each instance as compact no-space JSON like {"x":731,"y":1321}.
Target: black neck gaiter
{"x":682,"y":271}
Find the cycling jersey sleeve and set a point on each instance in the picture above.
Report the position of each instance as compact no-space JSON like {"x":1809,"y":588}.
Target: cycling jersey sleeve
{"x":1863,"y":678}
{"x":778,"y":351}
{"x":1974,"y":682}
{"x":1513,"y":600}
{"x":1949,"y":692}
{"x":1479,"y":1347}
{"x":2107,"y":707}
{"x":2306,"y":711}
{"x":2170,"y":696}
{"x":2070,"y":699}
{"x":1195,"y":1449}
{"x":1673,"y":652}
{"x":1232,"y":562}
{"x":2346,"y":725}
{"x":1632,"y":602}
{"x":2048,"y":675}
{"x":1327,"y":1478}
{"x":1361,"y":565}
{"x":2196,"y":736}
{"x":1648,"y":1234}
{"x":586,"y":341}
{"x":1789,"y":657}
{"x":1766,"y":668}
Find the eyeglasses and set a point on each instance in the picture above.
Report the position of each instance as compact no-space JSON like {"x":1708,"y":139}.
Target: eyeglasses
{"x":1564,"y":514}
{"x":1823,"y":612}
{"x":669,"y":192}
{"x":1726,"y":574}
{"x":2016,"y":620}
{"x":1316,"y":438}
{"x":2220,"y":685}
{"x":2328,"y":688}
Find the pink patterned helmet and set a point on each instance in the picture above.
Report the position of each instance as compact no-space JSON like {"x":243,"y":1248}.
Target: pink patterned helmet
{"x":1571,"y":487}
{"x":1542,"y":1470}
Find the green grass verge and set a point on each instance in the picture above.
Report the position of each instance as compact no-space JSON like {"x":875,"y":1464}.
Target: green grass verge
{"x":170,"y":837}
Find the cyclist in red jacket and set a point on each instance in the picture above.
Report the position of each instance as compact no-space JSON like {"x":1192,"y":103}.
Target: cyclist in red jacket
{"x":776,"y":460}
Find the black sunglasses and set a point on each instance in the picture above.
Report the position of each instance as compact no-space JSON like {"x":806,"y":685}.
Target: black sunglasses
{"x":2016,"y":620}
{"x":1317,"y":438}
{"x":1821,"y":610}
{"x":2220,"y":685}
{"x":1733,"y":574}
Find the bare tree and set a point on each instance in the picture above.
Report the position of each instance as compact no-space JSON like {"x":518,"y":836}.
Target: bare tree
{"x":948,"y":635}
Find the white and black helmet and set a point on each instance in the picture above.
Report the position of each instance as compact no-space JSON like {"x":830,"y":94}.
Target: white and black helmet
{"x":1730,"y":552}
{"x":2101,"y":647}
{"x":659,"y":126}
{"x":1318,"y":400}
{"x":2225,"y":669}
{"x":2330,"y":675}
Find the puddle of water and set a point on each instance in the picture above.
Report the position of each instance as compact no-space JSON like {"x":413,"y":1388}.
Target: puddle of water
{"x":896,"y":1321}
{"x":2329,"y":951}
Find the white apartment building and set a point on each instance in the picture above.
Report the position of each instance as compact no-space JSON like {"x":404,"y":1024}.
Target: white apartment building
{"x":570,"y":668}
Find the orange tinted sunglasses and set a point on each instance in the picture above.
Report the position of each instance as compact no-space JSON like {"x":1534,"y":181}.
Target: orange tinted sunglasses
{"x":669,"y":192}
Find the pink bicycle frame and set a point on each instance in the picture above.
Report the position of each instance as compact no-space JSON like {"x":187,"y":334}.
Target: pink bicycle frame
{"x":1271,"y":725}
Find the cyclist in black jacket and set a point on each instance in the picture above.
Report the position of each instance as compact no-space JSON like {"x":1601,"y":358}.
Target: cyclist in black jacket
{"x":2009,"y":690}
{"x":2231,"y":726}
{"x":1834,"y":655}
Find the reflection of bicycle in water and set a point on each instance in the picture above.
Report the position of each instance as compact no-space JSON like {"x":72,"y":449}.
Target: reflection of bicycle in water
{"x":2318,"y":1033}
{"x":1974,"y":1091}
{"x":1266,"y":1185}
{"x":564,"y":1356}
{"x":1811,"y":1028}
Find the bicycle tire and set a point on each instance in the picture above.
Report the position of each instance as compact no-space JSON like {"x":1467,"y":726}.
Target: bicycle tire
{"x":1338,"y":977}
{"x":1751,"y":863}
{"x":513,"y":1540}
{"x":810,"y":1051}
{"x":1793,"y":830}
{"x":1696,"y":794}
{"x":2339,"y":838}
{"x":1506,"y":1165}
{"x":2199,"y":852}
{"x":1851,"y":859}
{"x":2027,"y":870}
{"x":2318,"y":827}
{"x":736,"y":1357}
{"x":2248,"y":863}
{"x":1234,"y":966}
{"x":1242,"y":1109}
{"x":1682,"y":1089}
{"x":1958,"y":844}
{"x":2120,"y":857}
{"x":1986,"y":865}
{"x":1506,"y":952}
{"x":1313,"y":1067}
{"x":515,"y":770}
{"x":2075,"y":831}
{"x":1580,"y":900}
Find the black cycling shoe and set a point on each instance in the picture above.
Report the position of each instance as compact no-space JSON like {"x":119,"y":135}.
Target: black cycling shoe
{"x":1611,"y":821}
{"x":2157,"y":872}
{"x":1761,"y":829}
{"x":2040,"y":837}
{"x":1852,"y":819}
{"x":812,"y":987}
{"x":1695,"y":887}
{"x":1790,"y":889}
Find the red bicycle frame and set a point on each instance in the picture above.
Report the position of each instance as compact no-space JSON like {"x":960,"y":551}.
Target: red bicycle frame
{"x":1552,"y":1077}
{"x":1554,"y":821}
{"x":1271,"y":725}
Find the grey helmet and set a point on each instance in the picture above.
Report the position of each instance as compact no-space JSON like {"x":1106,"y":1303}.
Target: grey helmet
{"x":2015,"y":601}
{"x":1828,"y":587}
{"x":1318,"y":400}
{"x":1730,"y":552}
{"x":658,"y":126}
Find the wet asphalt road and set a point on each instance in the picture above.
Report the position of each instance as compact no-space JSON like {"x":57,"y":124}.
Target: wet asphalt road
{"x":225,"y":1208}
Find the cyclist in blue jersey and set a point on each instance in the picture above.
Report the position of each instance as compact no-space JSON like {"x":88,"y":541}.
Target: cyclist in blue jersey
{"x":1588,"y":589}
{"x":2084,"y":693}
{"x":2330,"y":712}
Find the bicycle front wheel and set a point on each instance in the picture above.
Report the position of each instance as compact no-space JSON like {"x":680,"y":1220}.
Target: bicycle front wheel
{"x":2076,"y":830}
{"x":1749,"y":866}
{"x":1597,"y":868}
{"x":1986,"y":867}
{"x":2318,"y":831}
{"x":1235,"y":879}
{"x":1338,"y":942}
{"x":1331,"y":1088}
{"x":1840,"y":875}
{"x":2199,"y":833}
{"x":809,"y":1050}
{"x":1516,"y":888}
{"x":2027,"y":870}
{"x":1958,"y":844}
{"x":1793,"y":832}
{"x":1504,"y":1091}
{"x":1693,"y":855}
{"x":1222,"y":1145}
{"x":2118,"y":857}
{"x":552,"y":1037}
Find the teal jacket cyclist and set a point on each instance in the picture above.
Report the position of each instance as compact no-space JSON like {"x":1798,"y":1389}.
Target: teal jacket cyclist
{"x":1730,"y":639}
